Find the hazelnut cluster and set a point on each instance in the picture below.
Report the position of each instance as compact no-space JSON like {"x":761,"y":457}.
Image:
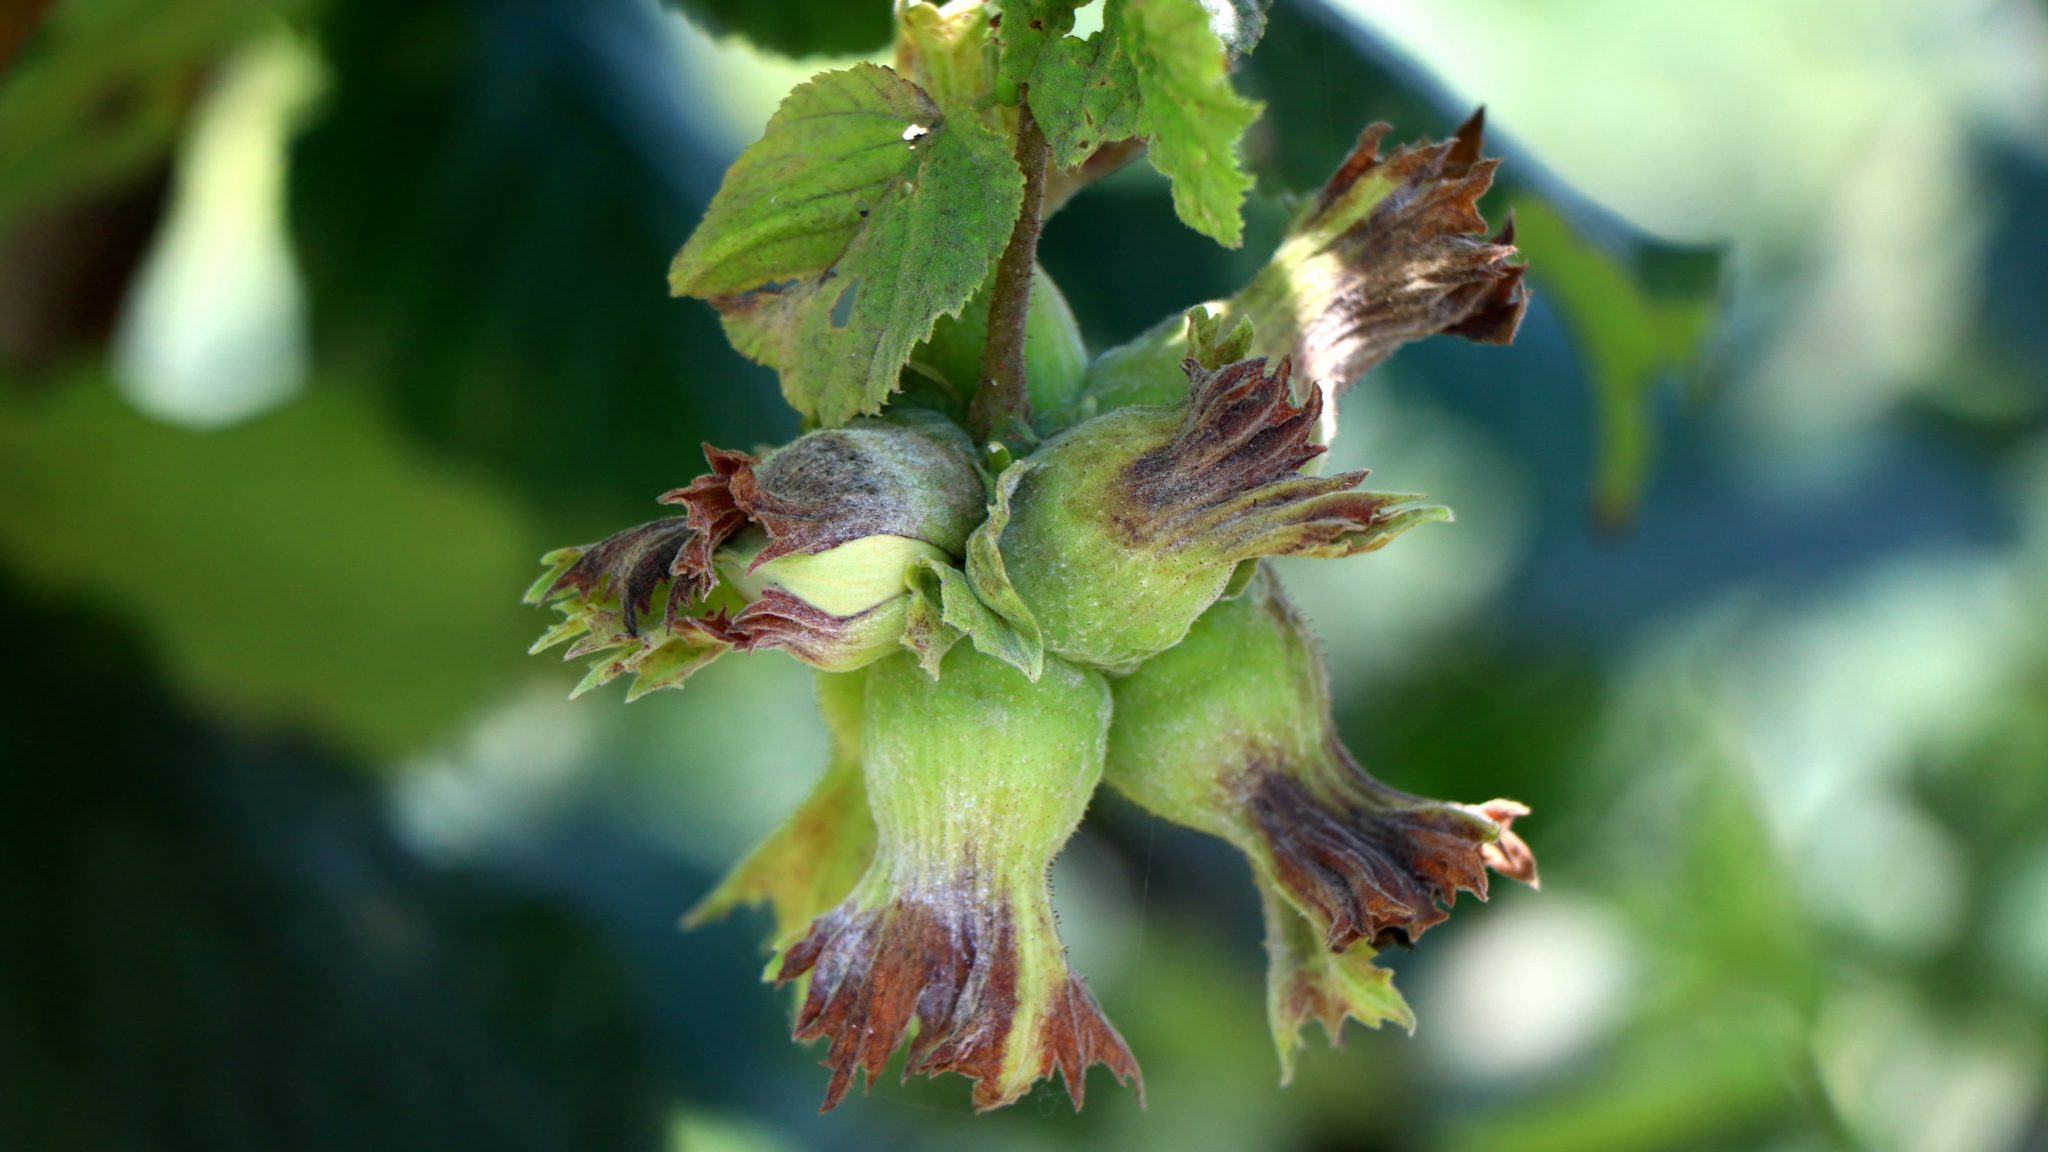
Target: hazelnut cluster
{"x":1107,"y":575}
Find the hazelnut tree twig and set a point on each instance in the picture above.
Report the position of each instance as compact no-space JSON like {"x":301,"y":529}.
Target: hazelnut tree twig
{"x":1002,"y":404}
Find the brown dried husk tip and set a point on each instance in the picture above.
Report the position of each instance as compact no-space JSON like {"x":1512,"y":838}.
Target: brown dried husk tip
{"x":1371,"y":862}
{"x":1393,"y":249}
{"x":1229,"y":481}
{"x":605,"y":591}
{"x":950,"y":962}
{"x":778,"y":620}
{"x":907,"y":481}
{"x":630,"y":565}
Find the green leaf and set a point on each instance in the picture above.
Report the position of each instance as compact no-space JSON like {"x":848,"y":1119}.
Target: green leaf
{"x":1028,"y":27}
{"x":1239,"y":24}
{"x":839,"y":238}
{"x":1192,"y":118}
{"x":1156,"y":69}
{"x":1085,"y":94}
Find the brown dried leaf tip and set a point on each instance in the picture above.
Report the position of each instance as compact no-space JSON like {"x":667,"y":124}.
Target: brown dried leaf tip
{"x":950,"y":960}
{"x":1393,"y":249}
{"x":1229,"y":479}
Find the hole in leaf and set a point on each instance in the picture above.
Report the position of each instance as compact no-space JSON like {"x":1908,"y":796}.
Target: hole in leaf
{"x":842,"y":308}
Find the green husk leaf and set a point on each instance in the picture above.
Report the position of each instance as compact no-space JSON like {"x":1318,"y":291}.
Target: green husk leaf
{"x":946,"y":609}
{"x":670,"y":663}
{"x":925,"y":628}
{"x":1211,"y":344}
{"x":990,"y":580}
{"x":1307,"y":981}
{"x":863,"y":214}
{"x":980,"y":603}
{"x":655,"y":662}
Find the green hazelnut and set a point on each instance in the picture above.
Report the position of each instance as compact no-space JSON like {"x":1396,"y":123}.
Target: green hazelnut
{"x":975,"y":780}
{"x":1124,"y":529}
{"x":1230,"y":733}
{"x":1055,"y":359}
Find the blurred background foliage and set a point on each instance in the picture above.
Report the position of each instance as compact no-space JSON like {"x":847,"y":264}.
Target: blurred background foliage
{"x":320,"y":321}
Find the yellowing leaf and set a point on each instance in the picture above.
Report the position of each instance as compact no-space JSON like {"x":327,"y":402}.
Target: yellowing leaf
{"x":838,"y":239}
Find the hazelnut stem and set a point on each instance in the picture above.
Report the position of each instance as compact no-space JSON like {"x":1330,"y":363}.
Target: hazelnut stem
{"x":1002,"y":405}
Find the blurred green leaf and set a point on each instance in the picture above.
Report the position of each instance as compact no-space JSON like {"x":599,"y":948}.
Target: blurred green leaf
{"x":483,"y":212}
{"x":1630,"y":336}
{"x":697,"y":1131}
{"x":214,"y":942}
{"x":796,"y":27}
{"x":1704,"y":1090}
{"x":118,"y":74}
{"x":306,"y":569}
{"x":840,"y":236}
